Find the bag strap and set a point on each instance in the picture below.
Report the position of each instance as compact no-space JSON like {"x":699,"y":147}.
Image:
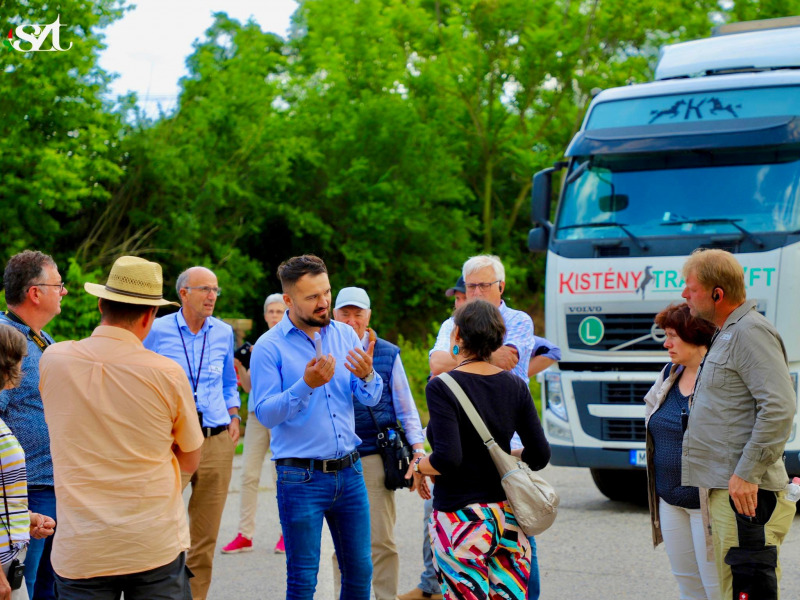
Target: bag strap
{"x":468,"y":407}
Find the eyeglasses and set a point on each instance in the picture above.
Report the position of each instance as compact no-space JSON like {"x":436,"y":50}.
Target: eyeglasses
{"x":483,"y":286}
{"x":60,"y":286}
{"x":206,"y":290}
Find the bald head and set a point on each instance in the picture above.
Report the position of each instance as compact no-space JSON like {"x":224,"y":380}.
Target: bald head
{"x":198,"y":290}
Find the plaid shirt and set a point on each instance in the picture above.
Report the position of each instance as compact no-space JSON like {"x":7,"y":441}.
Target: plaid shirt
{"x":22,"y":410}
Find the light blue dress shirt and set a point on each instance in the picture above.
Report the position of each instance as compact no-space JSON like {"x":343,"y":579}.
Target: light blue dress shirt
{"x":308,"y":422}
{"x":217,"y":389}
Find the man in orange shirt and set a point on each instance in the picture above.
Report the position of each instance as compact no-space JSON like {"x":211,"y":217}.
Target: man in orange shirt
{"x":123,"y":426}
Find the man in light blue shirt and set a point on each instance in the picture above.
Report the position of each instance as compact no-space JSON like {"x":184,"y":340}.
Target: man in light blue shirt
{"x":306,"y":399}
{"x":203,"y":346}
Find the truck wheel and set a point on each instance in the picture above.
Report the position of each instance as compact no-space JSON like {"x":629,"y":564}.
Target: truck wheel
{"x":622,"y":485}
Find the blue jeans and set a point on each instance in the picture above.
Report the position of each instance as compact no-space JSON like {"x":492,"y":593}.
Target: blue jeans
{"x":39,"y":576}
{"x":427,"y":580}
{"x":305,"y":497}
{"x":533,"y":581}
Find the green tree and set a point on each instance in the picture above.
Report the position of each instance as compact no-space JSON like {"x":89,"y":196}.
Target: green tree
{"x":59,"y":142}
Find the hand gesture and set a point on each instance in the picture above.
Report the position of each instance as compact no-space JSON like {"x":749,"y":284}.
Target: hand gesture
{"x":359,"y":363}
{"x":320,"y":371}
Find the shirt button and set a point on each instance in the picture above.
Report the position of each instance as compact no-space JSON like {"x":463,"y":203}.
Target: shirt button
{"x":340,"y":435}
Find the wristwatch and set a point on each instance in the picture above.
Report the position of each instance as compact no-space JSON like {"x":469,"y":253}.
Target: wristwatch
{"x":416,"y":465}
{"x":369,"y":377}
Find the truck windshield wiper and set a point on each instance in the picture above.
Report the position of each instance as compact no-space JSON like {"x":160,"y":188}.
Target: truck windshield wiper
{"x":640,"y":244}
{"x":719,"y":221}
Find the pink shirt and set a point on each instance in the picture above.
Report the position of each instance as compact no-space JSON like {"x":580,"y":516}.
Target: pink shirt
{"x":114,"y":410}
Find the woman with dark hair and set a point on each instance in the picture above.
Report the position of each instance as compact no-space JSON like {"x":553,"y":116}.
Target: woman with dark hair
{"x":479,"y":550}
{"x":675,"y":512}
{"x":17,"y":524}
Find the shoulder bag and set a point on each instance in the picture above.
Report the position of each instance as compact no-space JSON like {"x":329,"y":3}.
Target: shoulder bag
{"x":533,"y":501}
{"x":396,"y":454}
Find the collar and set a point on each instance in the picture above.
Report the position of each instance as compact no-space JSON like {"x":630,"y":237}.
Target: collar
{"x":207,"y":324}
{"x":744,"y":308}
{"x":285,"y":326}
{"x":503,"y":308}
{"x":116,"y":333}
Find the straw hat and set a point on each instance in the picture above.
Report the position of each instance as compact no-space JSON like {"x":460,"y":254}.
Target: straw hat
{"x":132,"y":280}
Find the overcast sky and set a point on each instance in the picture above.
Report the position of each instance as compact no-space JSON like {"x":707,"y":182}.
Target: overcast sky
{"x":149,"y":45}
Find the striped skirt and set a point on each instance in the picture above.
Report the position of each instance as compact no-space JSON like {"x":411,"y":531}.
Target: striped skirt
{"x":480,"y":553}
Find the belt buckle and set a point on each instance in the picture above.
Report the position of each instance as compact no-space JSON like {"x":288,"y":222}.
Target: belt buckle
{"x":325,"y":465}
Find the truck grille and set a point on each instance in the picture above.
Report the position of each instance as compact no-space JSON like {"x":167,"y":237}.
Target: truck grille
{"x":618,"y":329}
{"x":611,"y":429}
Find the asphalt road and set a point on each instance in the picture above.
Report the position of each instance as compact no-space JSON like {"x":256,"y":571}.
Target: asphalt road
{"x":597,"y":549}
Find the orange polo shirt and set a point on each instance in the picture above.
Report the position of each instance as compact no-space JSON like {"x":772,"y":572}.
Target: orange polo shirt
{"x":114,"y":410}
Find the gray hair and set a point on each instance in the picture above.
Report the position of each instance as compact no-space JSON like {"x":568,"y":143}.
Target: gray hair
{"x":181,"y":281}
{"x":273,"y":299}
{"x":476,"y":263}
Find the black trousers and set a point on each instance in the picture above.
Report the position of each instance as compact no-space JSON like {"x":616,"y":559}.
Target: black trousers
{"x":170,"y":582}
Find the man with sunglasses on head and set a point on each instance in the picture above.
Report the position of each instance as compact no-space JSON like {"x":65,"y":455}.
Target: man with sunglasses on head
{"x":203,"y":346}
{"x":34,"y":290}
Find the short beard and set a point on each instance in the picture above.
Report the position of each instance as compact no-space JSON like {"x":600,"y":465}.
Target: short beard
{"x":317,"y":322}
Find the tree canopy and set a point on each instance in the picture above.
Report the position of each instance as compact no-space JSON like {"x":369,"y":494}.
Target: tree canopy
{"x":393,"y":138}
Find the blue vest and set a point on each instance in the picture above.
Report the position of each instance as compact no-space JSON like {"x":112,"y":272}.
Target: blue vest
{"x":382,"y":361}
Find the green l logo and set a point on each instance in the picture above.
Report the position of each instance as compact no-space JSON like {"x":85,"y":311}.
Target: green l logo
{"x":591,"y":331}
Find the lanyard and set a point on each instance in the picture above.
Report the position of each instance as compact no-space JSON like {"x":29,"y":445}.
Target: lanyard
{"x":34,"y":337}
{"x":195,"y":382}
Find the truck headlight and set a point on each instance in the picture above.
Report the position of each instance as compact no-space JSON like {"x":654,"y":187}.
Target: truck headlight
{"x":555,"y":396}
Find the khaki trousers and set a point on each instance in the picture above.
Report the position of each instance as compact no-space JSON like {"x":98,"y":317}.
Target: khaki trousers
{"x":256,"y":446}
{"x":726,"y":535}
{"x":209,"y":492}
{"x":382,"y":517}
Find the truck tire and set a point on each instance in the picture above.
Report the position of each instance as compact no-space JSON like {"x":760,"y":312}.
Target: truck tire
{"x":622,"y":485}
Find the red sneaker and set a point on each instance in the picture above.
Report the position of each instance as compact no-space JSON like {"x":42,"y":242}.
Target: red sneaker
{"x":239,"y":544}
{"x":279,"y":547}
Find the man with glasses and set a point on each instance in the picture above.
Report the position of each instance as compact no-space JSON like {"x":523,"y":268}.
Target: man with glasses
{"x":34,"y":290}
{"x":203,"y":346}
{"x":485,"y":278}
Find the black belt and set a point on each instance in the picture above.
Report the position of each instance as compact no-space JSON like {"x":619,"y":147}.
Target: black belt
{"x":212,"y":431}
{"x":326,"y":466}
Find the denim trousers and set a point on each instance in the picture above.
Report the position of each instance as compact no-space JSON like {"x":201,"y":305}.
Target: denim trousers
{"x":428,"y":582}
{"x":39,"y":576}
{"x":305,"y":498}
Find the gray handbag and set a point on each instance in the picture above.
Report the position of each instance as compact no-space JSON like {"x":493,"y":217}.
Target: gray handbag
{"x":533,"y":500}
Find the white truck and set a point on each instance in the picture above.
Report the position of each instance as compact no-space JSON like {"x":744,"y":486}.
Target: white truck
{"x":707,"y":155}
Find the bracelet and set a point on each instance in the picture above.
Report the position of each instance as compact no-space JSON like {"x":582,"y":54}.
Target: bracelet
{"x":237,"y":416}
{"x":420,"y":451}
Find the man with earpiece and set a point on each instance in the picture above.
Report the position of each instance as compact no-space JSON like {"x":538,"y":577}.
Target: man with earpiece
{"x":739,"y":420}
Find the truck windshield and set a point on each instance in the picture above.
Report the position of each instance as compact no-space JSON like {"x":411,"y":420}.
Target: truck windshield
{"x":658,"y":196}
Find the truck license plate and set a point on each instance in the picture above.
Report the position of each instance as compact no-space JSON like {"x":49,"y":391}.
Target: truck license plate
{"x":638,"y":458}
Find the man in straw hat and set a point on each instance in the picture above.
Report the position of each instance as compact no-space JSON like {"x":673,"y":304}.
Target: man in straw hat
{"x":123,"y":427}
{"x":203,"y":346}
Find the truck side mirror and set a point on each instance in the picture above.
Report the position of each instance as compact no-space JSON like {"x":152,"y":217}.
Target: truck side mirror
{"x":537,"y":239}
{"x":540,"y":197}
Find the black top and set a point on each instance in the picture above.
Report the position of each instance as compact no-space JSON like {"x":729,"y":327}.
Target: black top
{"x":667,"y":431}
{"x":468,"y":474}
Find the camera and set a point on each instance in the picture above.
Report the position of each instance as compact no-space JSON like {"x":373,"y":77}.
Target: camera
{"x":243,"y":354}
{"x":16,"y":572}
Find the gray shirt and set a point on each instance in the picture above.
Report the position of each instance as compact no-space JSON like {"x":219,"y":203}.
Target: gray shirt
{"x":743,"y":407}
